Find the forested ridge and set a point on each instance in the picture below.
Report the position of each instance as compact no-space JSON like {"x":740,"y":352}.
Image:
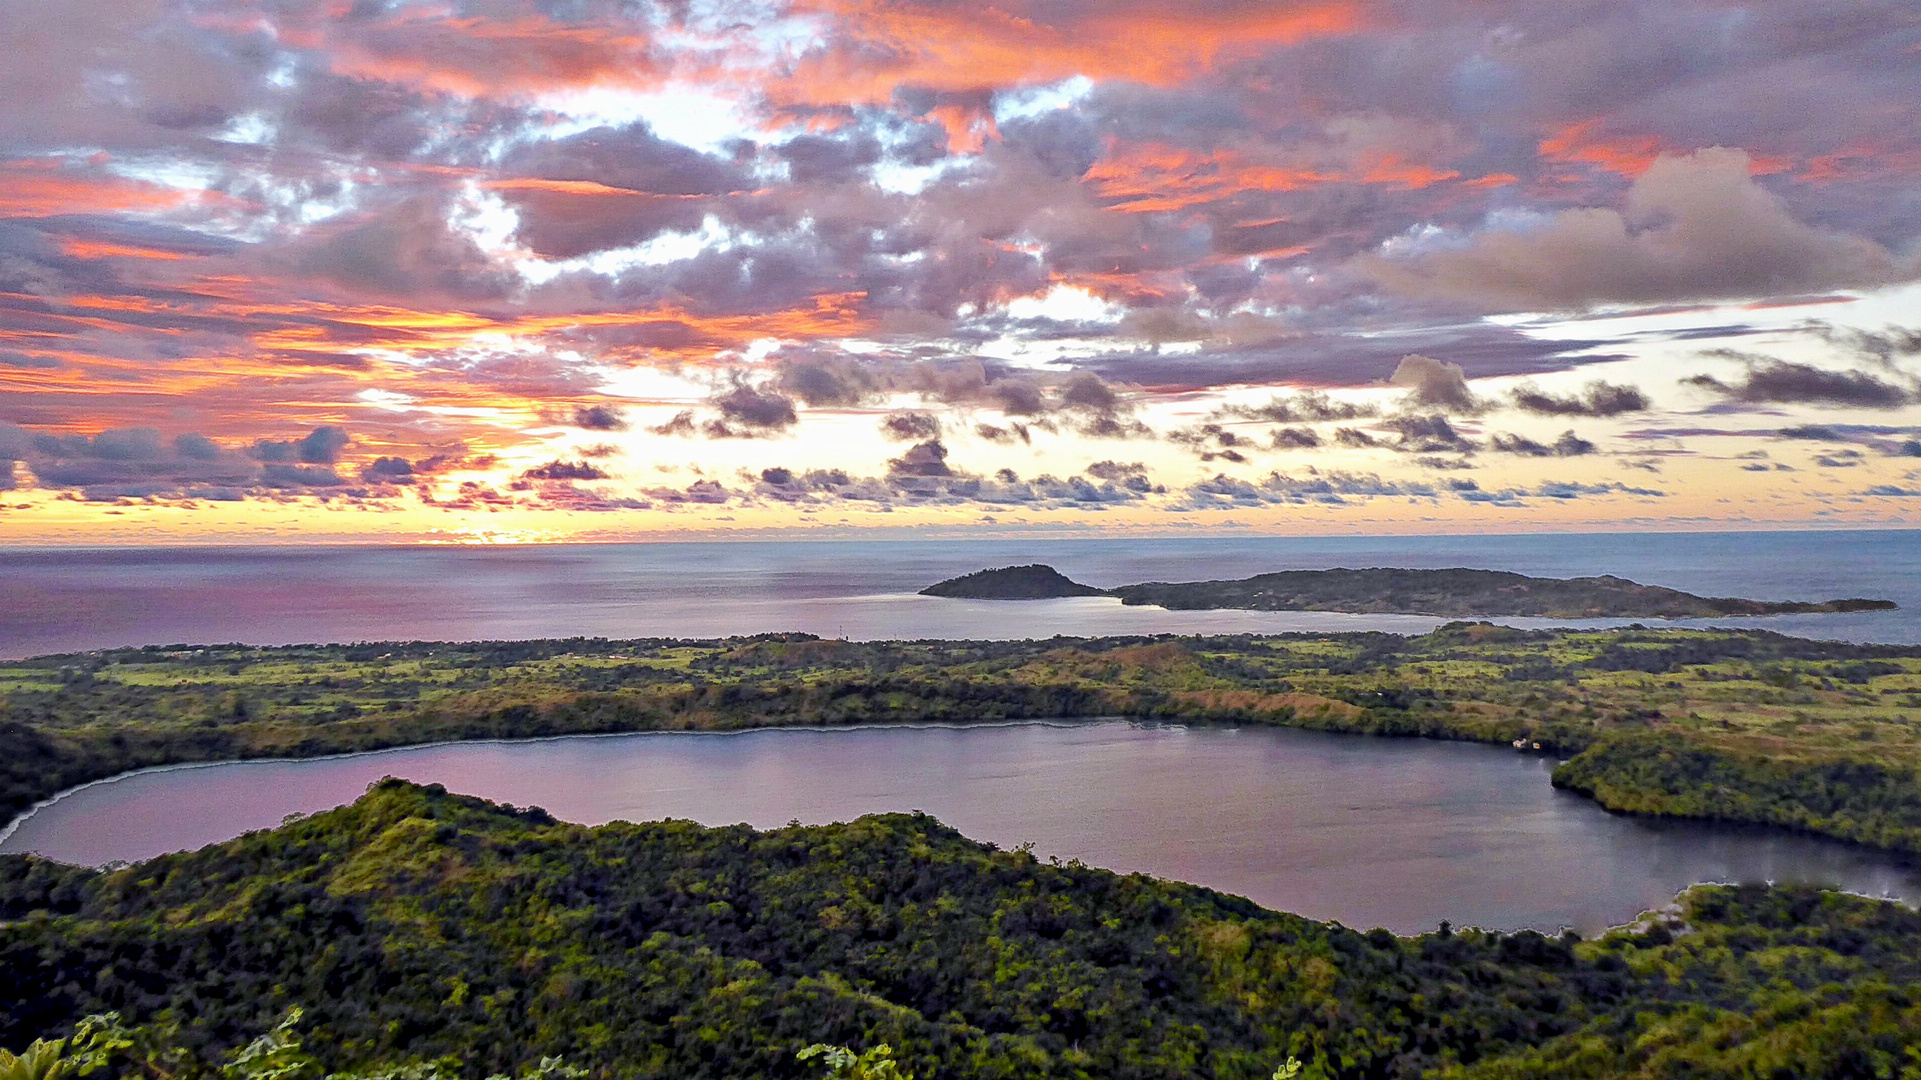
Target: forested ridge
{"x":1735,"y":725}
{"x":417,"y":927}
{"x":1451,"y":593}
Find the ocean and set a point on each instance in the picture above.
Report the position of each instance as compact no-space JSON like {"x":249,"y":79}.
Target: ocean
{"x":71,"y":599}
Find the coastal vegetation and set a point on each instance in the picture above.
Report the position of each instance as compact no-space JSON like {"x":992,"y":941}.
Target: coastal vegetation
{"x":1035,"y":582}
{"x":1745,"y":726}
{"x":418,"y":935}
{"x":1454,"y":593}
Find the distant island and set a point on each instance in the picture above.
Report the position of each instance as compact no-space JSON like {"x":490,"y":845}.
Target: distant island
{"x":1036,"y":582}
{"x":1453,"y":593}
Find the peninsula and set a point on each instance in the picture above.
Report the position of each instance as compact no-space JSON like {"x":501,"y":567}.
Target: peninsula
{"x":1456,"y":593}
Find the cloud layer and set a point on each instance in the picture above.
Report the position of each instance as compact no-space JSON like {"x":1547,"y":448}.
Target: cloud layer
{"x":493,"y":256}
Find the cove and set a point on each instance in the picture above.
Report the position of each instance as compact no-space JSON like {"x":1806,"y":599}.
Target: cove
{"x":1398,"y":833}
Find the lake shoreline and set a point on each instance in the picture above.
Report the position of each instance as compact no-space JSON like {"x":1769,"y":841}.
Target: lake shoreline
{"x":1075,"y":731}
{"x":7,"y":831}
{"x":14,"y":823}
{"x":1617,"y":709}
{"x":1706,"y":827}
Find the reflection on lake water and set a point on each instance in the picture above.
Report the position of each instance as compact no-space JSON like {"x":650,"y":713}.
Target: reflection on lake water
{"x":1369,"y":832}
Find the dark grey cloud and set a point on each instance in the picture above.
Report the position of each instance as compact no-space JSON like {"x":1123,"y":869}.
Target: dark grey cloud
{"x":844,"y":380}
{"x":921,"y":460}
{"x":822,"y":159}
{"x":830,"y":381}
{"x":703,"y":492}
{"x":1560,"y":491}
{"x":1597,"y":398}
{"x":629,"y":158}
{"x":1309,"y":405}
{"x":1428,"y":434}
{"x":322,"y":446}
{"x":141,"y":463}
{"x":681,"y":423}
{"x":1786,"y":382}
{"x":923,"y":477}
{"x":1331,"y":487}
{"x":561,"y":223}
{"x":597,"y":418}
{"x":1115,"y":470}
{"x":1011,"y":433}
{"x":1882,"y":346}
{"x":276,"y":475}
{"x":388,"y":470}
{"x":910,"y":426}
{"x":1568,"y":445}
{"x":406,"y":251}
{"x":757,"y":408}
{"x":1085,"y":390}
{"x":1211,"y":441}
{"x":196,"y":447}
{"x":10,"y":358}
{"x":1110,"y":426}
{"x":565,"y":470}
{"x":1337,"y":359}
{"x":566,"y":496}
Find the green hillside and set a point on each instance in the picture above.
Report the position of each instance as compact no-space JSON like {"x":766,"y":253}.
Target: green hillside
{"x":418,"y":927}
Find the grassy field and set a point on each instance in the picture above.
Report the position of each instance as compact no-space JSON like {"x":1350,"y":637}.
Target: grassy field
{"x":1746,"y":726}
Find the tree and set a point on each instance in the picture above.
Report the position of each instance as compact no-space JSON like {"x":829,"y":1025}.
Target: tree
{"x":843,"y":1064}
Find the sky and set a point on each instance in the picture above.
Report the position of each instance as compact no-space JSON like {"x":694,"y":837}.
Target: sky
{"x":537,"y":270}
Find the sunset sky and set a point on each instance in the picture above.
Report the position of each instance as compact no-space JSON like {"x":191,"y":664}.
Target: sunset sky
{"x":513,"y":270}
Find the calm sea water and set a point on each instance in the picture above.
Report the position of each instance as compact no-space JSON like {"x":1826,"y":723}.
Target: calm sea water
{"x":1370,"y":832}
{"x":64,"y":600}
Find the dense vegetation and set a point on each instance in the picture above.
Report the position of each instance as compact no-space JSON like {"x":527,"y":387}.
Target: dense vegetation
{"x":1744,"y":726}
{"x":1455,"y":593}
{"x":421,"y":928}
{"x":1461,"y":593}
{"x":1035,"y":582}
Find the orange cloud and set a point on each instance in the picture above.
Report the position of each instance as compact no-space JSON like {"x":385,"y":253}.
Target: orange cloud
{"x":1628,"y":155}
{"x":103,"y":249}
{"x":1859,"y":161}
{"x":878,"y":45}
{"x":1151,"y":177}
{"x":968,"y":129}
{"x":1145,"y":178}
{"x":489,"y":57}
{"x":44,"y":187}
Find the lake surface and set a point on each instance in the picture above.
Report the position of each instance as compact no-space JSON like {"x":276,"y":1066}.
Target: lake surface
{"x":1370,"y":832}
{"x":57,"y":600}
